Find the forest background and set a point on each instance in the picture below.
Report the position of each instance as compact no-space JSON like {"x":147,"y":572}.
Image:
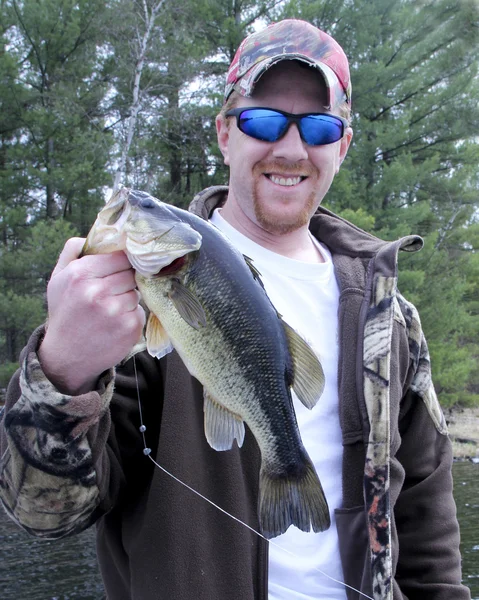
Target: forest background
{"x":98,"y":93}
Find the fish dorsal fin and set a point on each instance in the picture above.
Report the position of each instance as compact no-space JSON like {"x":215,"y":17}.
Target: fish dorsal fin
{"x":187,"y":304}
{"x":254,"y":271}
{"x":221,"y":425}
{"x":158,"y":343}
{"x":308,"y":377}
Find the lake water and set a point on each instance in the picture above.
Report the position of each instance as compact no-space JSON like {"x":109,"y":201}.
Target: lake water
{"x":32,"y":569}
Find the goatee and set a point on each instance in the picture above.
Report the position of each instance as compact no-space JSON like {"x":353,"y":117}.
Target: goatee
{"x":269,"y":220}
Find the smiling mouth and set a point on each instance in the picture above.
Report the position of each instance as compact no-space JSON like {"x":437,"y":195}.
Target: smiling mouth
{"x":285,"y":181}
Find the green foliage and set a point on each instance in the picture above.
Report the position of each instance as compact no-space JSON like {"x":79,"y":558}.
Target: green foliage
{"x":40,"y":251}
{"x":59,"y":147}
{"x":360,"y":218}
{"x":25,"y":271}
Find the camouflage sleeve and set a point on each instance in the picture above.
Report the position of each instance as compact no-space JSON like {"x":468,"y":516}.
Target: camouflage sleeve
{"x":425,"y":513}
{"x":421,"y":382}
{"x":49,"y":446}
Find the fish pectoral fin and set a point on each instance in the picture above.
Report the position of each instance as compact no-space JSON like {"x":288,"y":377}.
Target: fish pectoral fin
{"x":308,"y":377}
{"x":158,"y":343}
{"x":221,"y":425}
{"x":187,"y":304}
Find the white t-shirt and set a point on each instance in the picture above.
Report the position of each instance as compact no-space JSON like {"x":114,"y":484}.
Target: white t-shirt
{"x":307,"y":297}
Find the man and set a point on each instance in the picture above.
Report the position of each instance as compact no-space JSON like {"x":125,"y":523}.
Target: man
{"x":72,"y":449}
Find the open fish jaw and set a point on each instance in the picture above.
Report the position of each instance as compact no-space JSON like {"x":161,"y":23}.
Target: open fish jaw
{"x":157,"y":247}
{"x":107,"y":233}
{"x":155,"y":237}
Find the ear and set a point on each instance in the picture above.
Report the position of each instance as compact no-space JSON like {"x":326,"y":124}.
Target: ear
{"x":223,"y":134}
{"x":344,"y":145}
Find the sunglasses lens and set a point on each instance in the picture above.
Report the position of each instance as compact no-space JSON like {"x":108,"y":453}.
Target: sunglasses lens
{"x":319,"y":130}
{"x":263,"y":124}
{"x":269,"y":125}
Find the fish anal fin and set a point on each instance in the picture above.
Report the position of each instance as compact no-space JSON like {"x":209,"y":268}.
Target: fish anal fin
{"x":308,"y":378}
{"x":221,"y":425}
{"x":157,"y":341}
{"x":187,"y":304}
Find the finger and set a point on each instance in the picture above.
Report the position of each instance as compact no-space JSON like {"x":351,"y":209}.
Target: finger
{"x":104,"y":265}
{"x":121,"y":282}
{"x":71,"y":251}
{"x":125,"y":303}
{"x":133,"y":300}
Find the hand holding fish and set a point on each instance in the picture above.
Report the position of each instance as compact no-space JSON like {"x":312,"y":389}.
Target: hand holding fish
{"x":94,"y":318}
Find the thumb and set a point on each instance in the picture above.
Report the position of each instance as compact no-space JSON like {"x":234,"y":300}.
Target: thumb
{"x":71,"y":251}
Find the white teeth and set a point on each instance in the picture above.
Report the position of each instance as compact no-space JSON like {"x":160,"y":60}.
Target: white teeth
{"x":282,"y":181}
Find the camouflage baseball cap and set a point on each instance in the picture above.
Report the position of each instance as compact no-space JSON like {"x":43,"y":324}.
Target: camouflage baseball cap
{"x":291,"y":39}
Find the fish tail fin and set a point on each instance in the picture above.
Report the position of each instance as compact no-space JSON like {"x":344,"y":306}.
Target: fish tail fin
{"x":292,"y":499}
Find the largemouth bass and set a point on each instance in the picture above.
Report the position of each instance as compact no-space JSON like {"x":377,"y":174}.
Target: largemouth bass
{"x":207,"y":302}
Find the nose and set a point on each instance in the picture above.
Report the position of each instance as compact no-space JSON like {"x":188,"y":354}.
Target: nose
{"x":291,"y":146}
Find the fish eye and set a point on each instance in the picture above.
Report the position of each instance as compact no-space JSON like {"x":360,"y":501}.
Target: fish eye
{"x":147,"y":203}
{"x":142,"y":199}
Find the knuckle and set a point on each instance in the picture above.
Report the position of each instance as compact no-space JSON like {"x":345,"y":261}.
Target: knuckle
{"x":93,"y":293}
{"x":75,"y":275}
{"x":77,"y":271}
{"x":113,"y":308}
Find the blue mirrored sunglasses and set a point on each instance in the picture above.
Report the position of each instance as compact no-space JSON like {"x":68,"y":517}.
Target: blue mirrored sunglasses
{"x":269,"y":125}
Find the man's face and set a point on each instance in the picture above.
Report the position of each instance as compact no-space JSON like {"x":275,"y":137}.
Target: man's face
{"x":279,"y":185}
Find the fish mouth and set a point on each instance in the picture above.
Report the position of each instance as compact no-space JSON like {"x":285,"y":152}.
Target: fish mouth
{"x":107,"y":234}
{"x":152,"y":236}
{"x":175,"y":265}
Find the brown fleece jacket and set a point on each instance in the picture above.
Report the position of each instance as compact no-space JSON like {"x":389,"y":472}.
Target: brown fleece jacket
{"x":68,"y":462}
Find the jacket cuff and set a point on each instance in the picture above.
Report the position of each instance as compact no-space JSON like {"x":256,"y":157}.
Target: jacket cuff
{"x":47,"y":427}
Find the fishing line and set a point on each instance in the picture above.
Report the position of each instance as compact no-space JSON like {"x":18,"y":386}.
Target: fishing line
{"x":147,"y":452}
